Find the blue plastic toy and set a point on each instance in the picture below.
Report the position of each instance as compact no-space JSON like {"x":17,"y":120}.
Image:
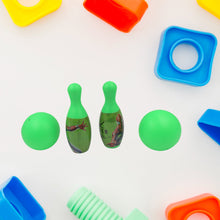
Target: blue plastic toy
{"x":16,"y":202}
{"x":210,"y":124}
{"x":204,"y":43}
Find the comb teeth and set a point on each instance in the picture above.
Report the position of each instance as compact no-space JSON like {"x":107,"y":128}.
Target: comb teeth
{"x":85,"y":205}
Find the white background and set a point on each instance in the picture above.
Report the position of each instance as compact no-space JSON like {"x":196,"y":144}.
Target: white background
{"x":37,"y":63}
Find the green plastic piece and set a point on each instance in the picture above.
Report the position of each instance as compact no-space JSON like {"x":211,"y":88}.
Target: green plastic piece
{"x":160,"y":130}
{"x":85,"y":205}
{"x":110,"y":106}
{"x":136,"y":215}
{"x":78,"y":128}
{"x":111,"y":123}
{"x":40,"y":131}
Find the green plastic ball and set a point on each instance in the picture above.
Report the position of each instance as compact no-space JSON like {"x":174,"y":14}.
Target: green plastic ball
{"x":40,"y":131}
{"x":160,"y":130}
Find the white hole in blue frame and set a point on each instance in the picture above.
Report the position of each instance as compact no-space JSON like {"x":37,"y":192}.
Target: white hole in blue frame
{"x":185,"y":56}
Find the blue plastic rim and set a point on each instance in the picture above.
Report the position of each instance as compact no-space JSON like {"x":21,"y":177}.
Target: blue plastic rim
{"x":199,"y":50}
{"x":210,"y":124}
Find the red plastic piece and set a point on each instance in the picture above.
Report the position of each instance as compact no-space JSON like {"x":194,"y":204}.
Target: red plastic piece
{"x":121,"y":14}
{"x":206,"y":204}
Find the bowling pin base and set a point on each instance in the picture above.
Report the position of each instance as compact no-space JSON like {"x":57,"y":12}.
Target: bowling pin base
{"x":111,"y":127}
{"x":78,"y":133}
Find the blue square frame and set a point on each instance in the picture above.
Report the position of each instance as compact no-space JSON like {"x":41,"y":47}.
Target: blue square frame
{"x":204,"y":43}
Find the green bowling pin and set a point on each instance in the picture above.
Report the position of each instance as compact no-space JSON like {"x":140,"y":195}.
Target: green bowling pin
{"x":111,"y":125}
{"x":78,"y":128}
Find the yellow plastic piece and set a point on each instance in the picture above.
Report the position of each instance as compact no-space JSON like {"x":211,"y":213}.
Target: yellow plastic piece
{"x":24,"y":16}
{"x":212,"y":6}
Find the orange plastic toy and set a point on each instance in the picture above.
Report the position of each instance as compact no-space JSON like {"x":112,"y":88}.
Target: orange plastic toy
{"x":206,"y":204}
{"x":122,"y":14}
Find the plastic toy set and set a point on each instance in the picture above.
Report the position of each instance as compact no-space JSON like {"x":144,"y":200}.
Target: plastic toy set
{"x":121,"y":14}
{"x":159,"y":130}
{"x":17,"y":203}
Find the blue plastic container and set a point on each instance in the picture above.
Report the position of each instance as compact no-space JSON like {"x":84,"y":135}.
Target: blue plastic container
{"x":204,"y":43}
{"x":17,"y":203}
